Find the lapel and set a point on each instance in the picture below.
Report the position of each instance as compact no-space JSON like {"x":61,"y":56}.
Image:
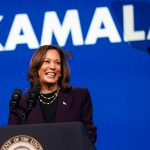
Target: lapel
{"x":64,"y":104}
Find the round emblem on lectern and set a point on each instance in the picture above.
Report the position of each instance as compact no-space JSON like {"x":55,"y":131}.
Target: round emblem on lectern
{"x":22,"y":142}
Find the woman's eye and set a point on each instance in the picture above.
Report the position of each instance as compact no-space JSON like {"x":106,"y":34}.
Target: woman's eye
{"x":58,"y":62}
{"x":46,"y":61}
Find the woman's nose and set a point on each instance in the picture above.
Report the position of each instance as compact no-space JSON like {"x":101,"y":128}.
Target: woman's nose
{"x":52,"y":65}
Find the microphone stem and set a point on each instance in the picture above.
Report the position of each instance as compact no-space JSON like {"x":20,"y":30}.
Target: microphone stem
{"x":18,"y":118}
{"x":25,"y":115}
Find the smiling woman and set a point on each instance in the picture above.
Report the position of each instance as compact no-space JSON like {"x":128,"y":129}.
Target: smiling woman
{"x":50,"y":71}
{"x":58,"y":101}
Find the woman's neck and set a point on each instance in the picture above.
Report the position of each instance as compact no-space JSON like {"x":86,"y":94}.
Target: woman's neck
{"x":48,"y":89}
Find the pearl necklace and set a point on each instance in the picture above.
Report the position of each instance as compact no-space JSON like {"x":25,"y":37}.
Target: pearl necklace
{"x":52,"y":98}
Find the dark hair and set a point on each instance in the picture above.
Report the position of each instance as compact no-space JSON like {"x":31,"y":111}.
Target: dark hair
{"x":37,"y":61}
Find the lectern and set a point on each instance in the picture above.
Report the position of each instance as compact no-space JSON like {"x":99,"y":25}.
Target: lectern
{"x":53,"y":136}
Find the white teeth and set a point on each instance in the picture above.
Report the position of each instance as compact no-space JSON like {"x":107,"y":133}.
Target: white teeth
{"x":50,"y":74}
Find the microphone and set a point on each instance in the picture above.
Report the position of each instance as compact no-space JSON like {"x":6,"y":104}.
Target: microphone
{"x":33,"y":95}
{"x":31,"y":102}
{"x":14,"y":102}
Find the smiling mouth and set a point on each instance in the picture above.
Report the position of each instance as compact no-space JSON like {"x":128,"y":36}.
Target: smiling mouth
{"x":50,"y":74}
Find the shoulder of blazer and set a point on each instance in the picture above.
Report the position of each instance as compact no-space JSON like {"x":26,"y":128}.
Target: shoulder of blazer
{"x":74,"y":88}
{"x":81,"y":90}
{"x":76,"y":92}
{"x":79,"y":93}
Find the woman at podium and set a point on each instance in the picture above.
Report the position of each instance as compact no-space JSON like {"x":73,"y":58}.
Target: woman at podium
{"x":50,"y":98}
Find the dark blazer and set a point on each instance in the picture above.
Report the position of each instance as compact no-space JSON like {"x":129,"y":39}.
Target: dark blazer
{"x":74,"y":105}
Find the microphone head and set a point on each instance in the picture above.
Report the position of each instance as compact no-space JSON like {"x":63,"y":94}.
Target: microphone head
{"x":14,"y":102}
{"x":17,"y":91}
{"x":33,"y":95}
{"x":17,"y":94}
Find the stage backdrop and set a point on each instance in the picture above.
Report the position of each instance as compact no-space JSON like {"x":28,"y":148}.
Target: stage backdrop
{"x":109,"y":42}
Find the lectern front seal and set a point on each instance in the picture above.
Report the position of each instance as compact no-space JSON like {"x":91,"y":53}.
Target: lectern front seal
{"x":21,"y":142}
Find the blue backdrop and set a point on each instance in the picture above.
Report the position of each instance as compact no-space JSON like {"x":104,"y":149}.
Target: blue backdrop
{"x":109,"y":42}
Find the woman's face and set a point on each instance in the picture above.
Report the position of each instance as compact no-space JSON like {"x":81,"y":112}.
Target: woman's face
{"x":50,"y":70}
